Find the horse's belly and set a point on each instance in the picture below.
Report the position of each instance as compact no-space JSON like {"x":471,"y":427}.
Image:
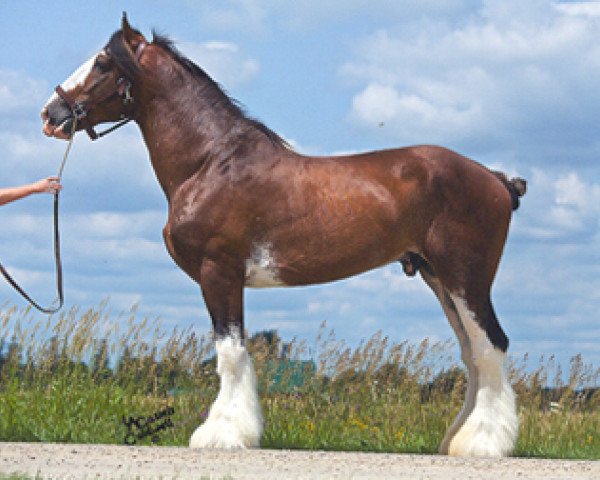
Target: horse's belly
{"x":268,"y":268}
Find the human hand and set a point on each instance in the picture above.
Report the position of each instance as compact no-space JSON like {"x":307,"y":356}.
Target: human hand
{"x":49,"y":185}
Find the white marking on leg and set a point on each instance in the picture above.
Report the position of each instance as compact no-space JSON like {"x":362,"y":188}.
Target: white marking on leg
{"x":491,"y":424}
{"x":235,"y":418}
{"x":261,"y":268}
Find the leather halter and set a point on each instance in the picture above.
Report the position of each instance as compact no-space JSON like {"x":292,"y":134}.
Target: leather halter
{"x":80,"y":110}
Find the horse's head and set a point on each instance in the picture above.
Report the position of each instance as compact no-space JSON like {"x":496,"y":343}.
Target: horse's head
{"x":100,"y":90}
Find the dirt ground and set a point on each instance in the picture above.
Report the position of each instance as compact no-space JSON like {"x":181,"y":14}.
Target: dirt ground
{"x":123,"y":462}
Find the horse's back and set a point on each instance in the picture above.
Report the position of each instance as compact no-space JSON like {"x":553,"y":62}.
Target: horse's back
{"x":441,"y":176}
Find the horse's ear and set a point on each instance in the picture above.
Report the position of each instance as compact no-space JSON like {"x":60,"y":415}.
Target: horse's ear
{"x":125,"y":27}
{"x":131,"y":36}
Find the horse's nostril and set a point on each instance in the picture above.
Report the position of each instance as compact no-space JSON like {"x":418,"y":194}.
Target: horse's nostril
{"x":56,"y":112}
{"x":67,"y":126}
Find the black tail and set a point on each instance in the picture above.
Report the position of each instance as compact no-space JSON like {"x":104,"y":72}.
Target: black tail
{"x":515,"y":186}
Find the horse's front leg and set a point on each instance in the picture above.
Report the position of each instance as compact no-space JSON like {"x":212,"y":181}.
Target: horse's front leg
{"x":235,"y":419}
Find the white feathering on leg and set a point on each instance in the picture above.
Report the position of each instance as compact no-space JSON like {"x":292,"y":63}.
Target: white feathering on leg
{"x":235,"y":418}
{"x":491,"y":428}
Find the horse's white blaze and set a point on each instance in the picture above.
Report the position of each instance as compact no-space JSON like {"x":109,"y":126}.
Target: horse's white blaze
{"x":235,"y":418}
{"x":261,"y":268}
{"x":77,"y":78}
{"x":489,"y":416}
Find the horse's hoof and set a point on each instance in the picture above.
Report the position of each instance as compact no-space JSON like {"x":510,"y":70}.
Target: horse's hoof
{"x":487,"y":432}
{"x":224,"y":434}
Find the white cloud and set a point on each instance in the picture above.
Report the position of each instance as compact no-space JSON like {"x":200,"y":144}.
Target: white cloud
{"x":223,"y":61}
{"x":589,"y":8}
{"x":513,"y":72}
{"x":87,"y":239}
{"x":261,"y":16}
{"x":571,"y":191}
{"x":560,"y":207}
{"x":234,"y":14}
{"x":18,"y":91}
{"x":117,"y":224}
{"x":416,"y":114}
{"x":576,"y":203}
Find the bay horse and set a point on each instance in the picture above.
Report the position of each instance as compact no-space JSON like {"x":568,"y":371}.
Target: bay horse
{"x":245,"y":210}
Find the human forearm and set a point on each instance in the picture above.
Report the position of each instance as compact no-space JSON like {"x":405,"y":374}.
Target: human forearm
{"x":11,"y":194}
{"x":8,"y":195}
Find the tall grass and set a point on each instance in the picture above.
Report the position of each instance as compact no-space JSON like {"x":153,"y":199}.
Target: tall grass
{"x":75,"y":377}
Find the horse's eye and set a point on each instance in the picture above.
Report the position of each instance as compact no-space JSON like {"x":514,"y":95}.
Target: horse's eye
{"x":102,"y":64}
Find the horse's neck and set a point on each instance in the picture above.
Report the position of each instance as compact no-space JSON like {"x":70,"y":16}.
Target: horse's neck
{"x":181,"y":133}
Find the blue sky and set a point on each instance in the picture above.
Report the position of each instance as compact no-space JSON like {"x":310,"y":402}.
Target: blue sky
{"x":509,"y":83}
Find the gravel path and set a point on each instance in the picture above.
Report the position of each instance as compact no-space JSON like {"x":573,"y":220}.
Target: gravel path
{"x":122,"y":462}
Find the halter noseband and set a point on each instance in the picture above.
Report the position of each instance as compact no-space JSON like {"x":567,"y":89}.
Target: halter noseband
{"x":123,"y":89}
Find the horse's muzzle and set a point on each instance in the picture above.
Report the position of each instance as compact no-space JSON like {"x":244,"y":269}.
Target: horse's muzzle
{"x":58,"y":119}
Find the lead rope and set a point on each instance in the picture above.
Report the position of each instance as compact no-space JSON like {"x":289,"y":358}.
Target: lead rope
{"x":68,"y":149}
{"x":57,"y":260}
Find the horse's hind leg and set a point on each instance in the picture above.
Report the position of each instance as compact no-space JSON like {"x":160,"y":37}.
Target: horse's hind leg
{"x":487,"y":424}
{"x":465,"y":348}
{"x":491,"y":427}
{"x":235,"y":418}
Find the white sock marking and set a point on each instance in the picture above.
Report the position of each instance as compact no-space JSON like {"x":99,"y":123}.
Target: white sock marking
{"x":491,"y":426}
{"x":235,"y":418}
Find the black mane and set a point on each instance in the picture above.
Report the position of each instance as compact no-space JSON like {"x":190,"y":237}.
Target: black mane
{"x":211,"y":90}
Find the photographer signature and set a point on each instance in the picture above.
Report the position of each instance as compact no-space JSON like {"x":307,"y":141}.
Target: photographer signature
{"x":141,"y":427}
